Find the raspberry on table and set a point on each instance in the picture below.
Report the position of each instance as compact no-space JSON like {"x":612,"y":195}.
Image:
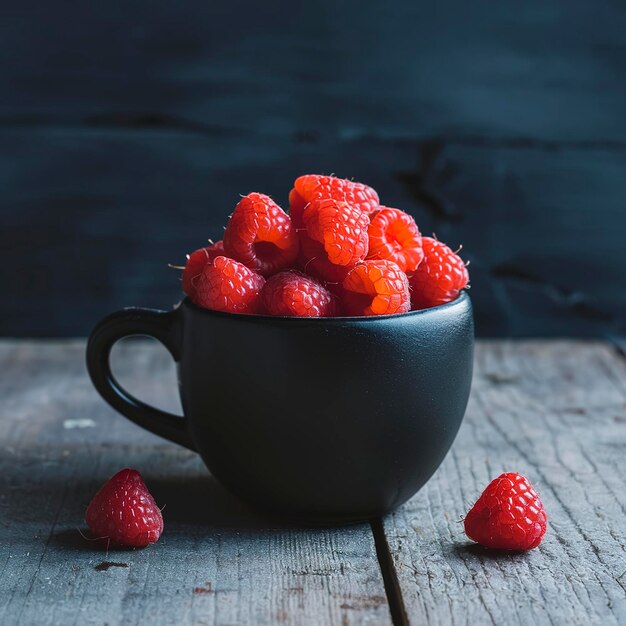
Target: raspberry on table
{"x":376,"y":287}
{"x":335,"y":238}
{"x":440,"y":276}
{"x":394,"y":236}
{"x":196,"y":262}
{"x":227,"y":285}
{"x":508,"y":515}
{"x":124,"y":513}
{"x":260,"y":235}
{"x":314,"y":186}
{"x":295,"y":294}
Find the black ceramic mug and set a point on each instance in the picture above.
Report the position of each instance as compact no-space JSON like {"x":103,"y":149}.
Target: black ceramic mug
{"x":324,"y":419}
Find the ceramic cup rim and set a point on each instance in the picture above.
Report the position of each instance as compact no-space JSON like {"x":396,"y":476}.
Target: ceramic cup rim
{"x":462,"y":298}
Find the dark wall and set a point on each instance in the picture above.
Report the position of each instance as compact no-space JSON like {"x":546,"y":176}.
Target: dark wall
{"x":128,"y":130}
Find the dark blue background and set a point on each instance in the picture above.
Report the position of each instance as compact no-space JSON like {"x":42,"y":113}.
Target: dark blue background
{"x":127,"y":131}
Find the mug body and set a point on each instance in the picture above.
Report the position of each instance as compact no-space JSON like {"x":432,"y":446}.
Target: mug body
{"x":329,"y":420}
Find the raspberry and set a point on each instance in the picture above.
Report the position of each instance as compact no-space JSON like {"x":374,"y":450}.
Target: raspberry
{"x":124,"y":512}
{"x":394,"y":236}
{"x":196,"y":261}
{"x":313,"y":186}
{"x":440,"y":276}
{"x":508,"y":515}
{"x":293,"y":293}
{"x":376,"y":288}
{"x":314,"y":261}
{"x":296,"y":205}
{"x":227,"y":285}
{"x":335,"y":239}
{"x":259,"y":234}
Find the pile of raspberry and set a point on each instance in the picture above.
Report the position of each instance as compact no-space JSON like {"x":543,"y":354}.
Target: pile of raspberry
{"x":338,"y":252}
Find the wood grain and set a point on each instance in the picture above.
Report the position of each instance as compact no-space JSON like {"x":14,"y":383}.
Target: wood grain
{"x":131,"y":143}
{"x":217,"y":562}
{"x":520,"y":212}
{"x":555,"y":412}
{"x":555,"y":73}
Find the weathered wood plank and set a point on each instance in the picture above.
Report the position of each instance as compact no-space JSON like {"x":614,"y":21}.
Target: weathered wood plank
{"x":519,"y":211}
{"x":555,"y":412}
{"x":217,"y":562}
{"x":344,"y":69}
{"x":130,"y":144}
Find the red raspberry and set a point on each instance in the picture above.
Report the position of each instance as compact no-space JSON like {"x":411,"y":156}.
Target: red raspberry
{"x":124,"y":512}
{"x":508,"y":515}
{"x":314,"y":261}
{"x":260,"y":235}
{"x":394,"y":236}
{"x":335,"y":239}
{"x":292,"y":293}
{"x":376,"y":288}
{"x":227,"y":285}
{"x":196,"y":262}
{"x":312,"y":186}
{"x":296,"y":206}
{"x":440,"y":276}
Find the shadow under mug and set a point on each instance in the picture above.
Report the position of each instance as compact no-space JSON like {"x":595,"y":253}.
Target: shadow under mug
{"x":327,"y":420}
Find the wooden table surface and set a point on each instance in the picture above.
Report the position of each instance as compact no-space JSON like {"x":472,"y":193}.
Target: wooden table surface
{"x":555,"y":411}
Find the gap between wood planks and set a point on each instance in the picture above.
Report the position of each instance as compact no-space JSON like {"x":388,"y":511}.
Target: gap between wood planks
{"x":397,"y":609}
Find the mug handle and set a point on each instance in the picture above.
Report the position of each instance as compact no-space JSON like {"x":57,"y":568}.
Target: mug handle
{"x":163,"y":326}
